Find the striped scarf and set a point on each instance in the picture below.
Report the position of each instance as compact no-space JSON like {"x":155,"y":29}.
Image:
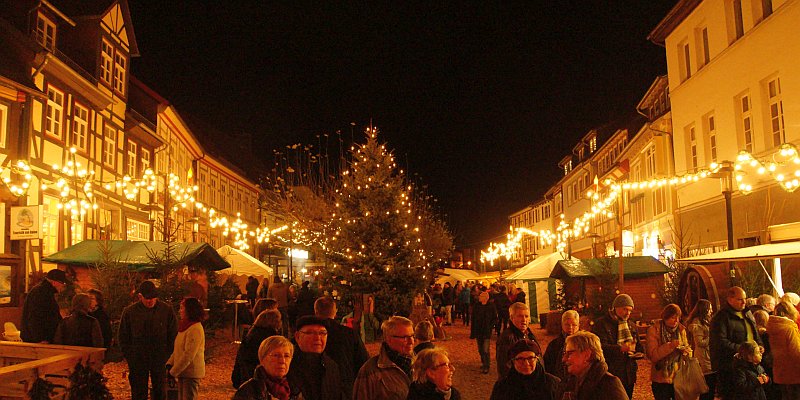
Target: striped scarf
{"x":623,"y":330}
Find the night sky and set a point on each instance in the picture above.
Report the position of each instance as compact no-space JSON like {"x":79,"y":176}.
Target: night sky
{"x":480,"y":100}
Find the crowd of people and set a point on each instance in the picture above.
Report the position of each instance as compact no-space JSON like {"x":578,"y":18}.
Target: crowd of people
{"x":297,"y":348}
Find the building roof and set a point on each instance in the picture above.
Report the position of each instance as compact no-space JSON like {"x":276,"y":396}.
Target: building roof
{"x":636,"y":266}
{"x":95,"y":9}
{"x":675,"y":16}
{"x":752,"y":253}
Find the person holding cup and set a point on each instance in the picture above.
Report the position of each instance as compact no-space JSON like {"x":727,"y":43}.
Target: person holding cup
{"x":666,"y":344}
{"x":620,"y":341}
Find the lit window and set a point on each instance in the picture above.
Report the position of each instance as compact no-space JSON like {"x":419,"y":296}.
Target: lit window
{"x":50,"y":214}
{"x":109,"y":145}
{"x":712,"y":138}
{"x":747,"y":123}
{"x":80,"y":125}
{"x":45,"y":32}
{"x":55,"y":112}
{"x":3,"y":122}
{"x":120,"y":63}
{"x":776,"y":112}
{"x":692,"y":140}
{"x":137,"y":231}
{"x":145,"y":160}
{"x":106,"y":62}
{"x":650,"y":162}
{"x":131,"y":170}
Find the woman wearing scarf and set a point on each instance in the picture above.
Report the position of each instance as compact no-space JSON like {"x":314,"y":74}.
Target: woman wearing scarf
{"x":269,"y":380}
{"x":433,"y":377}
{"x":188,"y":357}
{"x":666,"y":343}
{"x":527,"y":379}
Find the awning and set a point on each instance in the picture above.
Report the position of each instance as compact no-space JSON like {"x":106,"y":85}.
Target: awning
{"x":636,"y":266}
{"x":752,"y":253}
{"x":454,"y":274}
{"x":137,"y":255}
{"x":242,"y":263}
{"x":539,"y":268}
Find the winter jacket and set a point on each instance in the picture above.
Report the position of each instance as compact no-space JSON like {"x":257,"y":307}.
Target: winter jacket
{"x":553,"y":357}
{"x":618,"y":363}
{"x":784,"y":340}
{"x":484,"y":317}
{"x":464,"y":297}
{"x":40,"y":314}
{"x":448,"y":296}
{"x":188,"y":356}
{"x":427,"y":391}
{"x":381,"y":378}
{"x":147,"y":335}
{"x":700,"y":340}
{"x":305,"y":301}
{"x":346,"y":348}
{"x":105,"y":325}
{"x":743,"y":382}
{"x":507,"y":339}
{"x":538,"y":385}
{"x":728,"y":331}
{"x":247,"y":355}
{"x":423,"y":346}
{"x":317,"y":376}
{"x":280,"y":292}
{"x":597,"y":384}
{"x":79,"y":329}
{"x":658,"y":351}
{"x":501,"y":302}
{"x":256,"y":388}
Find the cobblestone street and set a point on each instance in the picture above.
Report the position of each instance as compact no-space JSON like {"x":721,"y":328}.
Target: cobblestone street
{"x":463,"y":353}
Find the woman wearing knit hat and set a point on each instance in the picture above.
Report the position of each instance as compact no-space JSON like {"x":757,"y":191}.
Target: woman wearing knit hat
{"x":619,"y":340}
{"x":527,"y":378}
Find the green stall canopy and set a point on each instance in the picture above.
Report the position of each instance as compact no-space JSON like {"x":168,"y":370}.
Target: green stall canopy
{"x":138,"y":255}
{"x":636,"y":266}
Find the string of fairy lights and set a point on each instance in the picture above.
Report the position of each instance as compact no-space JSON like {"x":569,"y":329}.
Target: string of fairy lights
{"x":76,"y":186}
{"x":781,"y":165}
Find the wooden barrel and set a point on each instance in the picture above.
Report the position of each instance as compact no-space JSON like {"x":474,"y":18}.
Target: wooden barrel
{"x":702,"y":282}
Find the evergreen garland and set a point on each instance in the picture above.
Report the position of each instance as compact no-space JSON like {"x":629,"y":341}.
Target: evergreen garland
{"x":88,"y":384}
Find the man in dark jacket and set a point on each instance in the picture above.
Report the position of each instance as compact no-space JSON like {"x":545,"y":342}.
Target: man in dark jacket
{"x":40,"y":312}
{"x":315,"y":373}
{"x":619,"y":339}
{"x":448,"y":299}
{"x":344,"y":346}
{"x":484,"y":317}
{"x":147,"y":333}
{"x":518,"y":329}
{"x":305,"y":300}
{"x":501,"y":303}
{"x":730,"y":327}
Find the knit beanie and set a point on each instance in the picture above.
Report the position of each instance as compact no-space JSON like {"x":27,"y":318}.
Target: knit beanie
{"x":622,"y":300}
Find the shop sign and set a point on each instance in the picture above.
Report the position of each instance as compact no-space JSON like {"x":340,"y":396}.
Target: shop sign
{"x":26,"y":222}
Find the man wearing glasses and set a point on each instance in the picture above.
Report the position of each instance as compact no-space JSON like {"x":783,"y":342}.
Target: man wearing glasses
{"x":316,"y":374}
{"x":387,"y":376}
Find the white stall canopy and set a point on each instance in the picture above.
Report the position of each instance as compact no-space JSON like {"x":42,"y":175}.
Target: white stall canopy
{"x":242,"y":263}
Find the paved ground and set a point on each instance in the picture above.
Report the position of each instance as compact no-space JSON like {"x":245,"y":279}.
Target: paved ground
{"x":463,"y":353}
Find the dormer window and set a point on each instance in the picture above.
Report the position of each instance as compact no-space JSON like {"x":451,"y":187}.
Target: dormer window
{"x":106,"y":62}
{"x":45,"y":32}
{"x":592,"y":145}
{"x":120,"y":71}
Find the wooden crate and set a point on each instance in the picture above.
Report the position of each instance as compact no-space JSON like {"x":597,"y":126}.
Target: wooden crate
{"x":22,"y":363}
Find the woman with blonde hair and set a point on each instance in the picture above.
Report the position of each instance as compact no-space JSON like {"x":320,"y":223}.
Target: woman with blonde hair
{"x":784,"y":340}
{"x":269,"y":379}
{"x":432,"y":375}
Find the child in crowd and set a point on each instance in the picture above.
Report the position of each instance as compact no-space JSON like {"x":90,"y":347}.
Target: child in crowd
{"x":749,"y":378}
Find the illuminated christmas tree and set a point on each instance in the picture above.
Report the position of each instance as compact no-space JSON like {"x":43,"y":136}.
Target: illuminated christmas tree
{"x":375,"y":240}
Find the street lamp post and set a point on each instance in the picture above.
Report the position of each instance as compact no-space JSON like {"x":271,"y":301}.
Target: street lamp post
{"x":725,"y":176}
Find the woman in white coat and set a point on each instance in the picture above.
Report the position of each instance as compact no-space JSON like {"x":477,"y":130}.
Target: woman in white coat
{"x":187,"y":362}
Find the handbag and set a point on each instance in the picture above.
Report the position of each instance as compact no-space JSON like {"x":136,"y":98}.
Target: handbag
{"x":689,"y":381}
